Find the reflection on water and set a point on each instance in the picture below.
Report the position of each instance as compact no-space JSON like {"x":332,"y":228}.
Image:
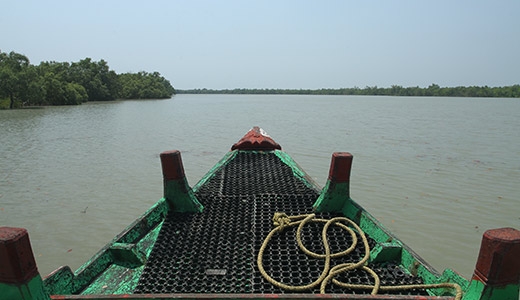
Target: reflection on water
{"x":437,"y":172}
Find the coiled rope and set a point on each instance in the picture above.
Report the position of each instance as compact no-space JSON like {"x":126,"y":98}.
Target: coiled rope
{"x":283,"y":221}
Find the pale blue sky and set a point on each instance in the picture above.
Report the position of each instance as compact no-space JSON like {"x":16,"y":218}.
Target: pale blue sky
{"x":277,"y":44}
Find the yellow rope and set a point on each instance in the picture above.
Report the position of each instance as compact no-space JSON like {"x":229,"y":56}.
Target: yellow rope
{"x":282,"y":221}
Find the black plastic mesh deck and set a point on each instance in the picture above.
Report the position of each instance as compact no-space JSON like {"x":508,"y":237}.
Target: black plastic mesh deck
{"x":215,"y":251}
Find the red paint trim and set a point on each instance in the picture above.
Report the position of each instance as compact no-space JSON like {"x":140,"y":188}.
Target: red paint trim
{"x":172,"y":167}
{"x":248,"y":296}
{"x":256,"y":139}
{"x":498,"y":262}
{"x":17,"y":264}
{"x":340,"y":167}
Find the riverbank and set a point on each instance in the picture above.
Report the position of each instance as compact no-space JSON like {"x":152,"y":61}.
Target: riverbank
{"x":432,"y":91}
{"x":4,"y":103}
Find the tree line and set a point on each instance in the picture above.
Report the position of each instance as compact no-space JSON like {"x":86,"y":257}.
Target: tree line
{"x":395,"y":90}
{"x":63,"y":83}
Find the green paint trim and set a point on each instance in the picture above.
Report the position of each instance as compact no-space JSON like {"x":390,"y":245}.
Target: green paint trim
{"x":133,"y":233}
{"x":352,"y":211}
{"x":142,"y":225}
{"x":136,"y":241}
{"x":478,"y":290}
{"x":298,"y":172}
{"x":451,"y":276}
{"x":145,"y":245}
{"x":32,"y":290}
{"x":390,"y":248}
{"x":90,"y":271}
{"x":385,"y":252}
{"x":116,"y":280}
{"x":120,"y":277}
{"x":416,"y":265}
{"x":333,"y":197}
{"x":59,"y":282}
{"x":181,"y":197}
{"x":221,"y":163}
{"x":373,"y":228}
{"x":127,"y":255}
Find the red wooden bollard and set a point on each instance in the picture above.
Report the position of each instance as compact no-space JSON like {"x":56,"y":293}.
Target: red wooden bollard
{"x":498,"y":262}
{"x":172,"y":167}
{"x":340,"y":167}
{"x":19,"y":277}
{"x":17,"y":264}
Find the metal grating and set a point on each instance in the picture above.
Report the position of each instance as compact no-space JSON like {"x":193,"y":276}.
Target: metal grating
{"x":215,"y":251}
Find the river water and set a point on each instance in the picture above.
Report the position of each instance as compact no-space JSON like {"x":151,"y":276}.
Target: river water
{"x":437,"y":172}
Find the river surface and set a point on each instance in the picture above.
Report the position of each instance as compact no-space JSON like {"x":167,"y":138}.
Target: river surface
{"x":437,"y":172}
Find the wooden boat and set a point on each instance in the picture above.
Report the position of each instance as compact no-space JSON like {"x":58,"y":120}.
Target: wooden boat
{"x":256,"y":226}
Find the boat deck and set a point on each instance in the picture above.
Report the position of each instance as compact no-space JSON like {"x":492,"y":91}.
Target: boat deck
{"x":215,"y":251}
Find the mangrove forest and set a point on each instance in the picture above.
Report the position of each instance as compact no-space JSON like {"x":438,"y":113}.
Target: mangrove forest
{"x":61,"y":83}
{"x":433,"y":90}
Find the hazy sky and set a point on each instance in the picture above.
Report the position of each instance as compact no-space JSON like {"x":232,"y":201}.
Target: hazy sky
{"x":277,"y":44}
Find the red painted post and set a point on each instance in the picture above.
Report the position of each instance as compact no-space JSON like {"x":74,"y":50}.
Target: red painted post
{"x":497,"y":273}
{"x":19,"y":277}
{"x":340,"y":167}
{"x":172,"y":167}
{"x":17,"y":264}
{"x":498,"y":262}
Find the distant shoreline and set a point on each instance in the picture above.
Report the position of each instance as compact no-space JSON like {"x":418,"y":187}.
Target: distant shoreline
{"x":433,"y":90}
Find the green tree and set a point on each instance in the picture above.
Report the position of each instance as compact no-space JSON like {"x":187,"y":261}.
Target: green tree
{"x":13,"y":75}
{"x":32,"y":93}
{"x":59,"y":92}
{"x":98,"y":80}
{"x":143,"y":85}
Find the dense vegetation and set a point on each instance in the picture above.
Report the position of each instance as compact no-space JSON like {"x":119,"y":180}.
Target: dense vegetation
{"x":396,"y":90}
{"x":63,"y":83}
